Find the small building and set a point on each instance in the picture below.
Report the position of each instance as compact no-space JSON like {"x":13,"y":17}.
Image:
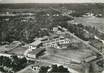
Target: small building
{"x":32,"y":47}
{"x":55,"y":29}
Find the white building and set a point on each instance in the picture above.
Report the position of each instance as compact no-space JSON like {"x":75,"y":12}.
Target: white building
{"x":4,"y":54}
{"x":53,"y":42}
{"x":64,"y":41}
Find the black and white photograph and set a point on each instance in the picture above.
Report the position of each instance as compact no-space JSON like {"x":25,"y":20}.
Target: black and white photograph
{"x":51,"y":36}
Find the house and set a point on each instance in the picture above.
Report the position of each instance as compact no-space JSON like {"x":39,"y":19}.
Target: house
{"x":55,"y":29}
{"x":32,"y":47}
{"x":89,"y":14}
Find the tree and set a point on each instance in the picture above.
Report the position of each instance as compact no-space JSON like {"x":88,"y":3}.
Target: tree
{"x":58,"y":69}
{"x":1,"y":60}
{"x":62,"y":69}
{"x":43,"y":69}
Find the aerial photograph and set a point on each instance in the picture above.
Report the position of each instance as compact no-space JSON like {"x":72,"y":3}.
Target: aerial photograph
{"x":51,"y":36}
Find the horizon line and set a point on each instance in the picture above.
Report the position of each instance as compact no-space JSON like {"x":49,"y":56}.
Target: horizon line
{"x":57,"y":3}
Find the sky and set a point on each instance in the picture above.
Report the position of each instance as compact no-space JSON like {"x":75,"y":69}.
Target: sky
{"x":51,"y":1}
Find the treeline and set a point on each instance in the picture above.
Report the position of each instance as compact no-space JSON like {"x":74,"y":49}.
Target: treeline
{"x":78,"y":30}
{"x":80,"y":9}
{"x":54,"y":69}
{"x":12,"y":64}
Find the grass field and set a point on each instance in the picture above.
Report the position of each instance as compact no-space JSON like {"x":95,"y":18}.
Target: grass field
{"x":68,"y":55}
{"x":91,"y":21}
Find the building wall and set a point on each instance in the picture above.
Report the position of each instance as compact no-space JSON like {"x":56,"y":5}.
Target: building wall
{"x":53,"y":43}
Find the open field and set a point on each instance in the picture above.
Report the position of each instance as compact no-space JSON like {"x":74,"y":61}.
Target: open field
{"x":18,"y":50}
{"x":67,"y":55}
{"x":91,"y":21}
{"x":60,"y":60}
{"x":4,"y":48}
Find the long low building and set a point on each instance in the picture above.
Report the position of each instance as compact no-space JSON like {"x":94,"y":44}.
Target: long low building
{"x":4,"y":54}
{"x":35,"y":53}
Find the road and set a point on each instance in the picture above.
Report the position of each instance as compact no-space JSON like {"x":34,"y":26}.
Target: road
{"x":86,"y":43}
